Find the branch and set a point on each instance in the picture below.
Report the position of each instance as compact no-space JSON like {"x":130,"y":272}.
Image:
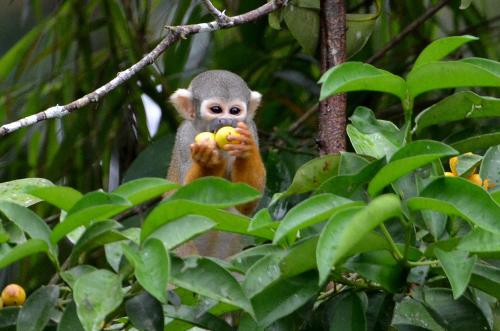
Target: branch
{"x":220,"y":16}
{"x":174,"y":34}
{"x":410,"y":28}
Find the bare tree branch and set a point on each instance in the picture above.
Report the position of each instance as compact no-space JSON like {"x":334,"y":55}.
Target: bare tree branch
{"x":410,"y":28}
{"x":174,"y":34}
{"x":220,"y":16}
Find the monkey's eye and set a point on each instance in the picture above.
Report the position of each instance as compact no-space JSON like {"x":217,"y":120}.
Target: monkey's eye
{"x":216,"y":109}
{"x":234,"y":111}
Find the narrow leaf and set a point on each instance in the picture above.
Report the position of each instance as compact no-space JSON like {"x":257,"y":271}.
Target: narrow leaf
{"x":20,"y":251}
{"x":62,"y":197}
{"x":438,"y":49}
{"x":17,"y":191}
{"x":140,"y":190}
{"x":145,"y":312}
{"x":458,"y":268}
{"x":35,"y":313}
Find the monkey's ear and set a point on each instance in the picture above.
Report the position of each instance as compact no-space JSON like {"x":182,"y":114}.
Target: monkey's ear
{"x":182,"y":100}
{"x":253,"y":104}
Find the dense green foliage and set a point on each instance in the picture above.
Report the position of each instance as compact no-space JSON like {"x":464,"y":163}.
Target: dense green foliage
{"x":372,"y":239}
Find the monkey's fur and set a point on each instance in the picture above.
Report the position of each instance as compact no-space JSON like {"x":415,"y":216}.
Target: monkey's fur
{"x":214,"y":99}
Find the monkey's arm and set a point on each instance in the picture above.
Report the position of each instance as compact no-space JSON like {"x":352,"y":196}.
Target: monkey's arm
{"x":248,"y":166}
{"x":207,"y":161}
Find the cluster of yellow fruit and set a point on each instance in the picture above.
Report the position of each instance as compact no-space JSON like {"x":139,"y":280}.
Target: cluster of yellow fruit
{"x":220,"y":137}
{"x":474,"y":177}
{"x":12,"y":295}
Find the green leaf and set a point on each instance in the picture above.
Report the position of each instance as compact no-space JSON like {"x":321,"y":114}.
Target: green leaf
{"x":70,"y":276}
{"x":15,"y":190}
{"x":458,"y":268}
{"x":178,"y":231}
{"x":411,"y":312}
{"x":96,"y":235}
{"x":358,"y":76}
{"x":95,"y":206}
{"x":28,"y":222}
{"x":479,"y":241}
{"x":451,"y":74}
{"x":369,"y":136}
{"x":347,"y":228}
{"x":407,"y":159}
{"x":311,"y":211}
{"x":313,"y":4}
{"x":359,"y":30}
{"x":140,"y":190}
{"x":274,"y":19}
{"x":490,"y":167}
{"x":477,"y":142}
{"x":262,"y":274}
{"x":204,"y":276}
{"x":284,"y":297}
{"x":145,"y":312}
{"x":460,"y":314}
{"x":349,"y":313}
{"x":459,"y":106}
{"x":35,"y":313}
{"x":62,"y":197}
{"x":262,"y":219}
{"x":195,"y":316}
{"x":299,"y":258}
{"x":310,"y":175}
{"x":20,"y":251}
{"x":379,"y":267}
{"x":226,"y":221}
{"x":464,"y":4}
{"x":438,"y":49}
{"x":152,"y":266}
{"x":486,"y":278}
{"x":467,"y":164}
{"x":303,"y":24}
{"x":216,"y":192}
{"x":245,"y":259}
{"x":96,"y":294}
{"x":458,"y":196}
{"x":69,"y":319}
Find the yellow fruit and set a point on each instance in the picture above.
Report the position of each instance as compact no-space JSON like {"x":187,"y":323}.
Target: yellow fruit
{"x":223,"y":133}
{"x":449,"y":174}
{"x":13,"y":295}
{"x":453,"y":165}
{"x":204,"y":136}
{"x":476,"y":179}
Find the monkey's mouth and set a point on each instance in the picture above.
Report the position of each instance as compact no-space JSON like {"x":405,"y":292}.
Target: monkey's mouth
{"x":218,"y":123}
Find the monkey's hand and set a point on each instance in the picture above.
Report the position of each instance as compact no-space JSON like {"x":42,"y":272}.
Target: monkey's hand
{"x":206,"y":155}
{"x":243,"y":145}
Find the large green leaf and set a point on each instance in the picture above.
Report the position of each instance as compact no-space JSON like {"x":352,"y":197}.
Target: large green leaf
{"x":217,"y":192}
{"x":139,"y":190}
{"x":96,"y":294}
{"x":262,"y":274}
{"x":195,"y":316}
{"x":310,"y":175}
{"x":490,"y":167}
{"x":71,"y":276}
{"x":16,"y":190}
{"x":456,"y":107}
{"x":439,"y":48}
{"x":451,"y":74}
{"x":69,"y":319}
{"x":407,"y":159}
{"x":178,"y":231}
{"x":482,"y":141}
{"x":369,"y":136}
{"x":35,"y":313}
{"x":309,"y":212}
{"x":204,"y":276}
{"x":458,"y":268}
{"x":303,"y":24}
{"x":145,"y":312}
{"x":347,"y":228}
{"x":349,"y":314}
{"x":479,"y":241}
{"x":62,"y":197}
{"x":358,"y":76}
{"x":486,"y":278}
{"x":359,"y":30}
{"x":95,"y":206}
{"x":226,"y":221}
{"x":20,"y":251}
{"x":284,"y":297}
{"x":458,"y":196}
{"x":29,"y":222}
{"x":414,"y":313}
{"x":152,"y":267}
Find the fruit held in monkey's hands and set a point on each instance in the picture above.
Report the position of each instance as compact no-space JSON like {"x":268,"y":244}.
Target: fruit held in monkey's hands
{"x":222,"y":135}
{"x":202,"y":137}
{"x":13,"y":295}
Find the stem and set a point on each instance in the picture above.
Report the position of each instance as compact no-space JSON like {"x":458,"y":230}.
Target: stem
{"x":408,"y":112}
{"x":395,"y":251}
{"x":422,"y":263}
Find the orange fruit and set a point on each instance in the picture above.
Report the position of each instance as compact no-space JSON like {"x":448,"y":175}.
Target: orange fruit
{"x":449,"y":174}
{"x":13,"y":295}
{"x":223,"y":133}
{"x":476,"y":179}
{"x":204,"y":137}
{"x":453,"y":165}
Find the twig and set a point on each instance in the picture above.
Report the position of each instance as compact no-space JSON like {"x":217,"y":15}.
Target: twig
{"x":298,"y":123}
{"x":175,"y":33}
{"x":220,"y":16}
{"x":410,"y":28}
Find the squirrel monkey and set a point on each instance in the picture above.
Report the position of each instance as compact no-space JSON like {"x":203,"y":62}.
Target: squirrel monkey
{"x":215,"y":99}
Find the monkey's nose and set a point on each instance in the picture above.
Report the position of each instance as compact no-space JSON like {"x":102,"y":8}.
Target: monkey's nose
{"x":218,"y":123}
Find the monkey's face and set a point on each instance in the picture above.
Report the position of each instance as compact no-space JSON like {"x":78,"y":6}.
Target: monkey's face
{"x":217,"y":112}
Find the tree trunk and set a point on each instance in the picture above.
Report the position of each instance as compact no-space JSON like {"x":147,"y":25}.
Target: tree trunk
{"x":332,"y":111}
